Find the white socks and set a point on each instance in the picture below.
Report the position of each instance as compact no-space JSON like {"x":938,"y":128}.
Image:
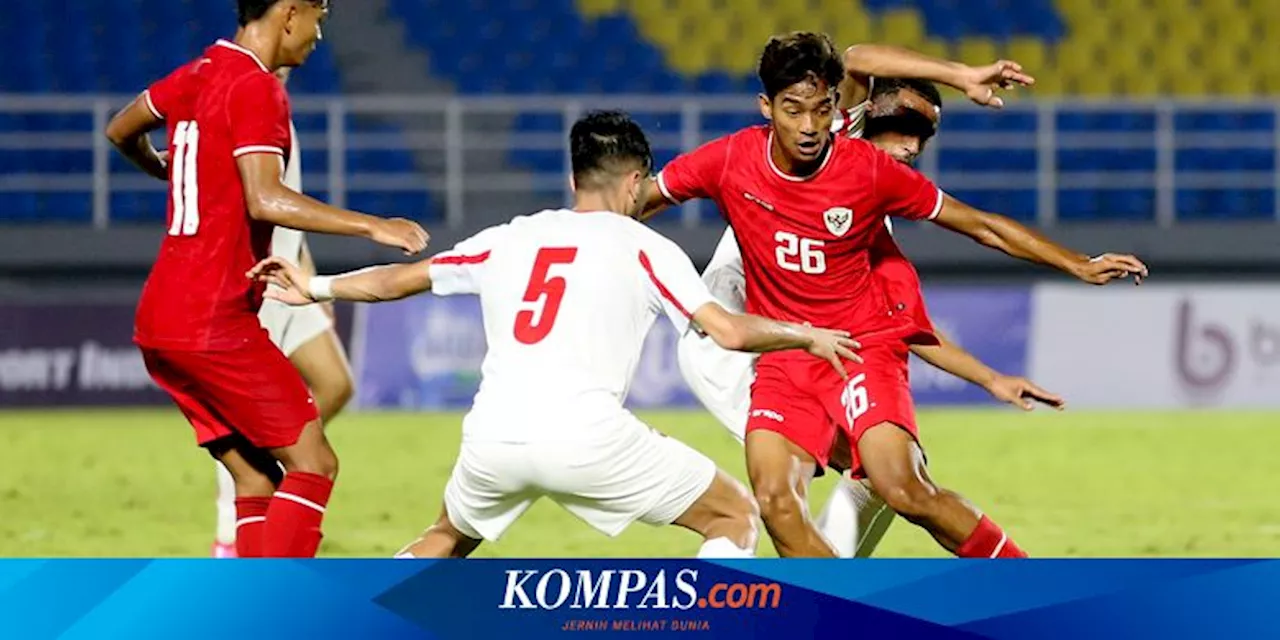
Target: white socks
{"x":855,"y":519}
{"x":723,"y":548}
{"x":226,"y":505}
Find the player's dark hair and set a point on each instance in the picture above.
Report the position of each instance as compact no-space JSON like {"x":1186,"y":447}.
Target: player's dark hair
{"x":252,"y":10}
{"x":890,"y":86}
{"x":797,"y":57}
{"x":606,"y":144}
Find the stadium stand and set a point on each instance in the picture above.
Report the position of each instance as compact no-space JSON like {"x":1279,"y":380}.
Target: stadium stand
{"x":1085,"y":48}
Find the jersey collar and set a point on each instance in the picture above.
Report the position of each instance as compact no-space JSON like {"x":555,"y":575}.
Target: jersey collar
{"x":235,"y":47}
{"x":768,"y":157}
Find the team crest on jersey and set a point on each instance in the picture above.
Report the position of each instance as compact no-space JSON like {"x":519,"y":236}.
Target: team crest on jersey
{"x":838,"y":220}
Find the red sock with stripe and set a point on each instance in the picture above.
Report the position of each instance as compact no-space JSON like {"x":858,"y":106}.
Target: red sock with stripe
{"x":251,"y":519}
{"x":988,"y":540}
{"x":294,"y":516}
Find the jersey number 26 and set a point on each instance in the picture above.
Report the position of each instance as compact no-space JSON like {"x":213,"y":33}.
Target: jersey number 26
{"x":802,"y":255}
{"x":545,"y":290}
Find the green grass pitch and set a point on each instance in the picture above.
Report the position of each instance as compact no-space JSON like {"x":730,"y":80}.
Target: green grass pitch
{"x":131,"y":483}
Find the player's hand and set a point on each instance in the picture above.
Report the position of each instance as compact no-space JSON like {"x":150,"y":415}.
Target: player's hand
{"x":405,"y":235}
{"x":1112,"y":266}
{"x":982,"y":83}
{"x":833,"y":346}
{"x":1023,"y":393}
{"x":292,"y":285}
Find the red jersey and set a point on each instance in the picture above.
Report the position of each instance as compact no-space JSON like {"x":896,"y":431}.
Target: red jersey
{"x":219,"y":107}
{"x":806,"y":242}
{"x":901,"y":285}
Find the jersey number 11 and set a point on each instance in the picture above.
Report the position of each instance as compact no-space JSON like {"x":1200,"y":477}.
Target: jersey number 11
{"x":186,"y":192}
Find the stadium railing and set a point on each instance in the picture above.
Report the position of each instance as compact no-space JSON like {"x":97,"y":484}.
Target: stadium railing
{"x":1160,"y":129}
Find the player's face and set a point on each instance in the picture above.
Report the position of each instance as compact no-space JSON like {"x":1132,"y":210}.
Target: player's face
{"x":801,"y":116}
{"x":304,"y":29}
{"x":904,"y":147}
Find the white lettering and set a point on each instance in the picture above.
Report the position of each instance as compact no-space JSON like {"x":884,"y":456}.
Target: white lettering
{"x":685,"y":579}
{"x":632,"y":582}
{"x":541,"y":592}
{"x":515,"y":589}
{"x":587,"y":590}
{"x":657,"y":591}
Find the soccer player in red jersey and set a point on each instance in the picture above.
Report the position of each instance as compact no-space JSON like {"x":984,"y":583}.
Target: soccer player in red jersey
{"x":227,"y":119}
{"x":806,"y":208}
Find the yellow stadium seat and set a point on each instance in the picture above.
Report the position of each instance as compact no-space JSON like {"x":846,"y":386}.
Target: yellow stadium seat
{"x":1031,"y":53}
{"x":901,"y":26}
{"x":1140,"y":83}
{"x":596,"y":8}
{"x":1047,"y":85}
{"x":934,"y":47}
{"x":1184,"y":31}
{"x":1090,"y":84}
{"x":1190,"y":84}
{"x":1076,"y":56}
{"x":692,"y":60}
{"x":1233,"y":84}
{"x":977,"y":51}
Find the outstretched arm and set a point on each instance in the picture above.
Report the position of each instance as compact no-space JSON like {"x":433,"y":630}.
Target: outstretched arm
{"x":953,"y":359}
{"x":754,"y":334}
{"x":865,"y":61}
{"x":372,"y":284}
{"x":1019,"y":241}
{"x":128,"y":131}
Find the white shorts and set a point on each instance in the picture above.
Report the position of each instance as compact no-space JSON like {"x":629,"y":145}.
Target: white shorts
{"x":629,"y":473}
{"x":292,"y":327}
{"x":721,"y":379}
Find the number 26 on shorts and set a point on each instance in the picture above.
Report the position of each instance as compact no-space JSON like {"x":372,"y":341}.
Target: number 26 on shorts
{"x":801,"y":255}
{"x":854,"y":398}
{"x":533,"y":324}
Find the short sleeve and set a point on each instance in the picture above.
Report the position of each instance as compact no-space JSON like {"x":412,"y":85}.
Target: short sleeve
{"x":674,"y":285}
{"x":695,"y":174}
{"x":460,"y":269}
{"x":165,"y":93}
{"x":904,"y":192}
{"x":259,"y":113}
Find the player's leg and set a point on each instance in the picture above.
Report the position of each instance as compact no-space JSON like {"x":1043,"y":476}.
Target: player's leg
{"x":315,"y":351}
{"x":789,"y":438}
{"x":440,"y":540}
{"x":488,"y":490}
{"x":254,"y":476}
{"x":725,"y":516}
{"x":895,"y":465}
{"x":224,"y":542}
{"x":256,"y":389}
{"x":780,"y":471}
{"x":854,"y":519}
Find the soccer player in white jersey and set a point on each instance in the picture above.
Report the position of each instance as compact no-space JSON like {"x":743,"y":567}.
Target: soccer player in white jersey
{"x":307,"y":337}
{"x":568,"y":297}
{"x":903,"y":115}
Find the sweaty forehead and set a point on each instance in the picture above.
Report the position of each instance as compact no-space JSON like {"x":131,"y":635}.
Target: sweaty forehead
{"x":906,"y":99}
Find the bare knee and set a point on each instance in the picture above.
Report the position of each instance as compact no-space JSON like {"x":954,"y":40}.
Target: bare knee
{"x":777,"y":501}
{"x":254,"y":485}
{"x":333,"y":394}
{"x":912,"y":498}
{"x":311,"y":454}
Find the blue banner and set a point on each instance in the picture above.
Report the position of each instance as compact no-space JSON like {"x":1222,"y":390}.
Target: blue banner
{"x":425,"y":352}
{"x":283,"y":599}
{"x":992,"y":323}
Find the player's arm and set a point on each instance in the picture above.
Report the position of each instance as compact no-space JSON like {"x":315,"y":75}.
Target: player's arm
{"x":953,"y":359}
{"x":128,"y":131}
{"x":754,"y":334}
{"x":696,"y":174}
{"x":308,"y":266}
{"x":373,"y":284}
{"x":865,"y":61}
{"x":269,"y":200}
{"x":1019,"y":241}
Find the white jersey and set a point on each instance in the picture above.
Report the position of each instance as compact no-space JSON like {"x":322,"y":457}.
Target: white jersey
{"x":721,"y":379}
{"x":568,"y":299}
{"x":285,"y":242}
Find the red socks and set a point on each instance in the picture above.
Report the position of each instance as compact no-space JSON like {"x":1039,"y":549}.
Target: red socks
{"x":989,"y":541}
{"x":251,"y":519}
{"x":293,"y":518}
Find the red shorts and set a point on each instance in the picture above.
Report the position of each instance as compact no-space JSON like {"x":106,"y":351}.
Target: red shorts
{"x":252,"y":390}
{"x":807,"y":402}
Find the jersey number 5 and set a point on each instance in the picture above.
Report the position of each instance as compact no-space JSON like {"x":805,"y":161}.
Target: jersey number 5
{"x":186,"y":193}
{"x":532,"y":327}
{"x":802,"y":255}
